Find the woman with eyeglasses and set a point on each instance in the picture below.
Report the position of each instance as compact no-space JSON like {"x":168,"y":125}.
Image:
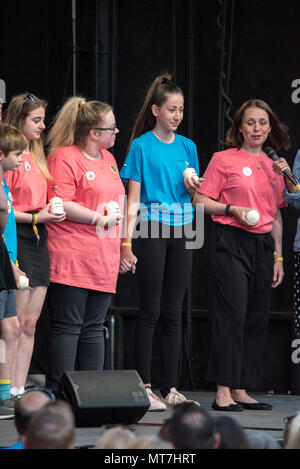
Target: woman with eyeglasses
{"x":28,"y":187}
{"x":153,"y":169}
{"x":84,"y":249}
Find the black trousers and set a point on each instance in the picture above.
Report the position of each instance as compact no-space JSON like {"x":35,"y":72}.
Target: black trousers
{"x":77,"y":331}
{"x":241,"y":274}
{"x":163,"y":270}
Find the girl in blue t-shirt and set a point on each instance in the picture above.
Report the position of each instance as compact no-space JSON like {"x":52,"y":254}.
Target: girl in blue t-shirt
{"x":154,"y":169}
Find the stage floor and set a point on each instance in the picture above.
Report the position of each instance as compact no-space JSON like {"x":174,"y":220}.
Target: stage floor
{"x":269,"y":421}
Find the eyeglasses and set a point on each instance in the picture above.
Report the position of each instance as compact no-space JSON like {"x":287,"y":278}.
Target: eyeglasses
{"x":112,"y":129}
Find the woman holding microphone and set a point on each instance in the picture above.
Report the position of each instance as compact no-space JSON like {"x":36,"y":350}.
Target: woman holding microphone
{"x":244,"y":196}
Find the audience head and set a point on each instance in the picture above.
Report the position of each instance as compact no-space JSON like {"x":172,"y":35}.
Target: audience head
{"x":293,"y":434}
{"x":115,"y":438}
{"x":28,"y":405}
{"x":262,"y":440}
{"x":231,"y":433}
{"x":52,"y":427}
{"x":149,"y":442}
{"x":190,"y":427}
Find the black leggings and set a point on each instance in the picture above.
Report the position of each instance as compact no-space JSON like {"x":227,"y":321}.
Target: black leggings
{"x":163,"y":270}
{"x":77,"y":317}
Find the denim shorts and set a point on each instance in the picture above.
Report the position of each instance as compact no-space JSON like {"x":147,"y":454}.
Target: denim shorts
{"x":8,"y":307}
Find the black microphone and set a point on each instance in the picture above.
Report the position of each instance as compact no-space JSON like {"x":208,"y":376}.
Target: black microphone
{"x":271,"y":154}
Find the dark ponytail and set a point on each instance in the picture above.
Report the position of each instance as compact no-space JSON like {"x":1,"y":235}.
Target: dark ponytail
{"x":158,"y":92}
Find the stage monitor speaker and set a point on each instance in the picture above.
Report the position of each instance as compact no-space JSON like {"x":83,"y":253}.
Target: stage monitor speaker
{"x":104,"y":397}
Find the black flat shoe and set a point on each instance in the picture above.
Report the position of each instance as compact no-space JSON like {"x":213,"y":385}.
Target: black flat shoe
{"x":255,"y":405}
{"x":228,"y":408}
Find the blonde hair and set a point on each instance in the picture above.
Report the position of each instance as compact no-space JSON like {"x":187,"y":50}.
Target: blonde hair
{"x":115,"y":438}
{"x":157,"y":93}
{"x":150,"y":442}
{"x":293,"y":441}
{"x":74,"y":121}
{"x":11,"y":139}
{"x":18,"y":110}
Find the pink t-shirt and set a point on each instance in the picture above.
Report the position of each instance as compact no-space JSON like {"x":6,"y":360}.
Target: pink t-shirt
{"x":79,"y":256}
{"x":27,"y":185}
{"x":239,"y":178}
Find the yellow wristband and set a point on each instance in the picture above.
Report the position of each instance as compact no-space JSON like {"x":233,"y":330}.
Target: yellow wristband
{"x":127,"y":244}
{"x":277,"y":258}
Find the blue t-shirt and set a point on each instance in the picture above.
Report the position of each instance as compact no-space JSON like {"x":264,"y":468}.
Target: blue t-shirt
{"x":10,"y":233}
{"x":18,"y":445}
{"x":158,"y":166}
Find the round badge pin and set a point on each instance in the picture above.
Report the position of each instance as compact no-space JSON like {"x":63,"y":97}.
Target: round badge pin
{"x":247,"y":171}
{"x":90,"y":175}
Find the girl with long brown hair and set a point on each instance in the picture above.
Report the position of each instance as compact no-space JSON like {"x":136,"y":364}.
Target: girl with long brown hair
{"x":28,"y":187}
{"x":154,"y":168}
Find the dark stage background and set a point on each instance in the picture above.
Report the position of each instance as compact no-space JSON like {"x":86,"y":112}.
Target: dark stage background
{"x":221,"y":53}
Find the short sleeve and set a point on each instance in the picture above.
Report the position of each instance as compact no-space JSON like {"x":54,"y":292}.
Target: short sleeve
{"x":132,"y":168}
{"x":215,"y":178}
{"x":194,"y":157}
{"x":63,"y":171}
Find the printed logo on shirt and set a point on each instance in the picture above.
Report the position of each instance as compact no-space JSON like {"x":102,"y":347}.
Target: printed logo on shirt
{"x":113,"y":169}
{"x":247,"y":171}
{"x":27,"y":166}
{"x":90,"y":175}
